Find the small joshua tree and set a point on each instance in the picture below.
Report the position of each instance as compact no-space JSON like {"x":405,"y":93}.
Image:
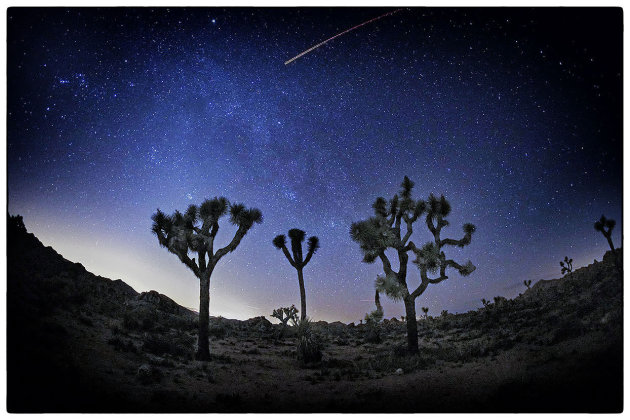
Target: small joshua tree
{"x":297,"y":261}
{"x":194,"y":232}
{"x":285,"y":315}
{"x":426,"y":312}
{"x":528,"y":283}
{"x":567,"y":265}
{"x":486,"y":303}
{"x":382,"y":231}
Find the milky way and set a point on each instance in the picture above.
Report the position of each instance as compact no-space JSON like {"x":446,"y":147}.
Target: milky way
{"x":513,"y":114}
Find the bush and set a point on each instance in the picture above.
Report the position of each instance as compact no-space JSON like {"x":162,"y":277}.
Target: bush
{"x":178,"y":346}
{"x":122,"y":345}
{"x":148,"y":374}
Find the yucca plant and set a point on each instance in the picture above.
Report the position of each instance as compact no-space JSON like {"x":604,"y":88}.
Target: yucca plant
{"x":528,"y":283}
{"x":309,"y":346}
{"x":193,"y":232}
{"x":298,"y":261}
{"x":384,"y":231}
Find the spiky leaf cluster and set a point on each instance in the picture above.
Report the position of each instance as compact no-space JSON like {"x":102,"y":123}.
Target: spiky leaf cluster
{"x":374,"y":235}
{"x":374,"y":317}
{"x":297,"y":237}
{"x":390,"y":285}
{"x":604,"y":225}
{"x":309,"y":344}
{"x":438,"y":207}
{"x":429,"y":258}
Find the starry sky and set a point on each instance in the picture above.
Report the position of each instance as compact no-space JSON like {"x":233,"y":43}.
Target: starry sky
{"x":515,"y":115}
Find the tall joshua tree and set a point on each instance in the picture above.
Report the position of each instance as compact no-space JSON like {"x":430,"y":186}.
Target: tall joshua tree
{"x":193,"y":233}
{"x":383,"y":231}
{"x":298,"y":261}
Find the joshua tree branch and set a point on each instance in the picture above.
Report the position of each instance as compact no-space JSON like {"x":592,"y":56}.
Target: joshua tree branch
{"x":240,"y":233}
{"x":454,"y":242}
{"x":387,"y":266}
{"x":190,"y":263}
{"x":288,"y":255}
{"x":308,"y":257}
{"x":409,"y":229}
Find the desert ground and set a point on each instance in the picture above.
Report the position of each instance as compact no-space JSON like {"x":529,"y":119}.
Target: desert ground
{"x":78,"y":342}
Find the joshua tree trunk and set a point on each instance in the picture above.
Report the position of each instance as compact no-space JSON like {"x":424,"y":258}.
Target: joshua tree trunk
{"x":412,"y":325}
{"x":610,"y":243}
{"x":302,"y":293}
{"x":203,"y":345}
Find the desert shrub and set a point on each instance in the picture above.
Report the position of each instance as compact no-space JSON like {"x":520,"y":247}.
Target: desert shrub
{"x":218,"y":331}
{"x":309,"y":345}
{"x":233,"y":399}
{"x":148,"y":374}
{"x":122,"y":345}
{"x":178,"y":346}
{"x":341,"y":341}
{"x":130,"y":321}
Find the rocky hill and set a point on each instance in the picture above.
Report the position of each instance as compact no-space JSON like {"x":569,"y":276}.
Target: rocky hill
{"x":78,"y":342}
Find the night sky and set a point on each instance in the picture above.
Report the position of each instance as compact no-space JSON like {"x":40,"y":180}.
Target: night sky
{"x":515,"y":115}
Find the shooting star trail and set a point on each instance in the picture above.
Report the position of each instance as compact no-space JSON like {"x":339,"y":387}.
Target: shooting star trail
{"x":339,"y":34}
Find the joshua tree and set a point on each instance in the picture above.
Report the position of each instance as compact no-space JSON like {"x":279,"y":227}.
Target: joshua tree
{"x":528,"y":283}
{"x":605,"y":226}
{"x":567,"y":265}
{"x":486,"y":303}
{"x":426,"y":312}
{"x":297,"y":261}
{"x":194,"y":232}
{"x":382,"y":231}
{"x":285,"y":315}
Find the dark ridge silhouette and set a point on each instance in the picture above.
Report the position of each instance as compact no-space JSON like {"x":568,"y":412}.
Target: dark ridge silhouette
{"x":297,"y":260}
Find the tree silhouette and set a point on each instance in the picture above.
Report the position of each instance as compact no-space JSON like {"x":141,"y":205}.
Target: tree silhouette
{"x":426,"y":312}
{"x":285,"y":315}
{"x":567,"y":265}
{"x":383,"y":231}
{"x":194,"y":232}
{"x":605,"y":226}
{"x":297,"y":261}
{"x":528,"y":283}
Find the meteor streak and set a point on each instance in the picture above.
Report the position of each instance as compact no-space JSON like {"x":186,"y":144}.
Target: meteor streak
{"x":339,"y":34}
